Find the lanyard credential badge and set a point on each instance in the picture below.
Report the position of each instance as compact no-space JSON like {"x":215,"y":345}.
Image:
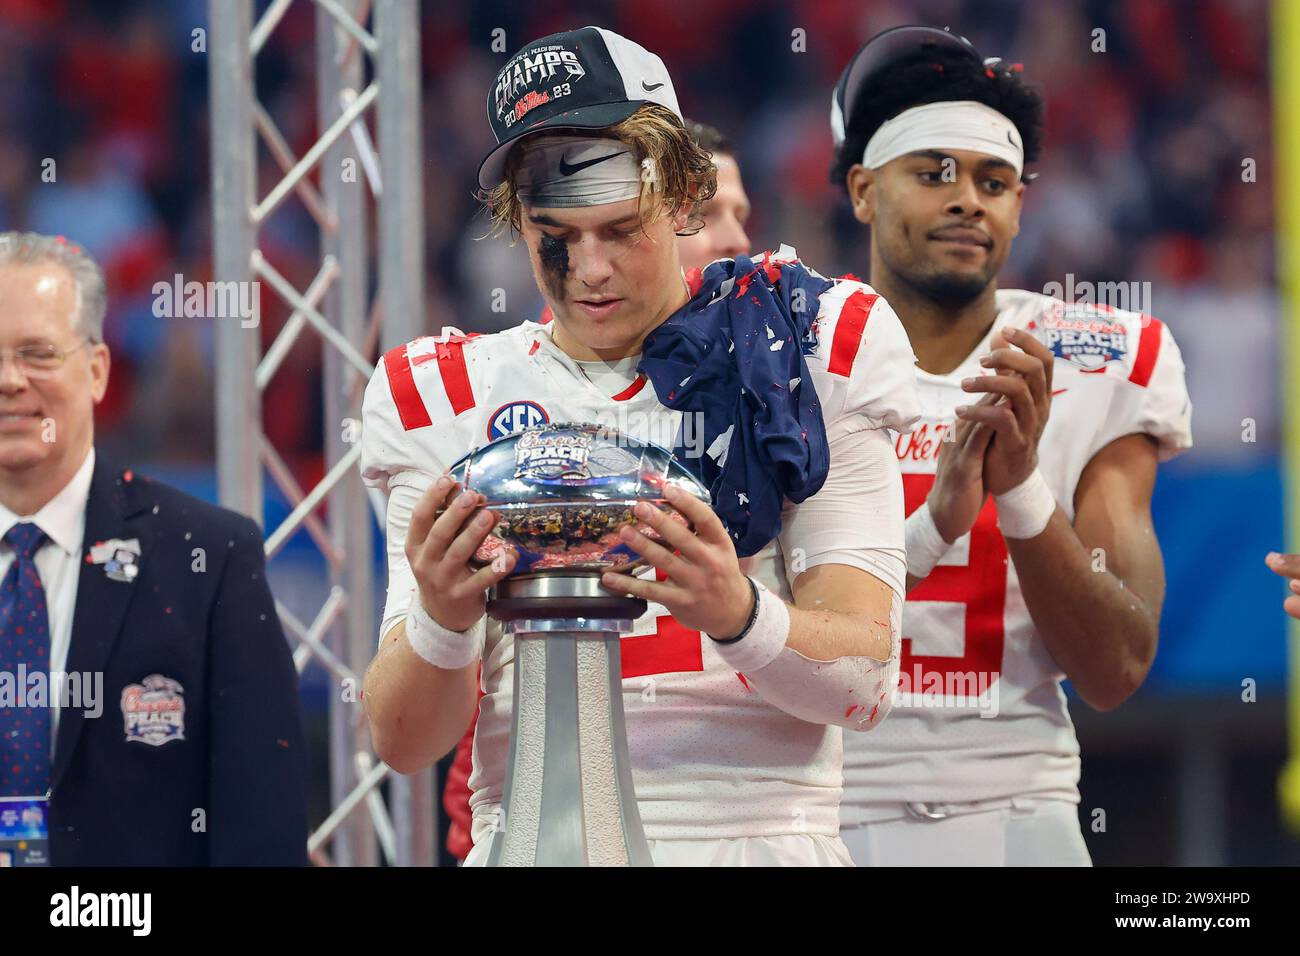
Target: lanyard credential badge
{"x":24,"y":831}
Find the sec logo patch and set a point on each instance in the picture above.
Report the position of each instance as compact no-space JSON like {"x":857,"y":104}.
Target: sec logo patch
{"x":515,"y":417}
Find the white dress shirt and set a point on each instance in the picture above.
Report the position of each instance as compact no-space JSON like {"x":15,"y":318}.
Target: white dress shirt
{"x":58,"y":562}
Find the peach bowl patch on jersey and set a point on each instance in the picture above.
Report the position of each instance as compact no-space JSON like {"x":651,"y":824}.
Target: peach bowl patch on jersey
{"x":1081,"y":336}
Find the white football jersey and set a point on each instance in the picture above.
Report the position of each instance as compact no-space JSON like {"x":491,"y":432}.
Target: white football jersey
{"x":980,"y":713}
{"x":710,"y":757}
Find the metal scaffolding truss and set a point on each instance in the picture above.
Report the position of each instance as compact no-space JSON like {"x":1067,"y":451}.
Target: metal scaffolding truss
{"x":341,"y":636}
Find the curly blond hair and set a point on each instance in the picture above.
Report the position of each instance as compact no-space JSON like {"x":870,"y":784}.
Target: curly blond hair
{"x":675,"y":172}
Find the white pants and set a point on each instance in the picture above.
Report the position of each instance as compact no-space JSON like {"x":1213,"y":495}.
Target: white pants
{"x":1028,"y":832}
{"x":793,"y":849}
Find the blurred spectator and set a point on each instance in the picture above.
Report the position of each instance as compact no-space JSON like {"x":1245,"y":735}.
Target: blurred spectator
{"x":1141,"y":181}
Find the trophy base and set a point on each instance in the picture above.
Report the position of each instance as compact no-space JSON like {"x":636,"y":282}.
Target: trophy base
{"x":568,"y":797}
{"x":566,"y":597}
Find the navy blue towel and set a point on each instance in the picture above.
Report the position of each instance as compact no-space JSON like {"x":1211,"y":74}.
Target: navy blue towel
{"x":734,"y":354}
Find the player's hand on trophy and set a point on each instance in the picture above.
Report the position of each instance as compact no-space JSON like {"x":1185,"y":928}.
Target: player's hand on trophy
{"x":1288,"y":565}
{"x":958,"y":492}
{"x":439,"y":548}
{"x":705,"y":589}
{"x":1023,"y":387}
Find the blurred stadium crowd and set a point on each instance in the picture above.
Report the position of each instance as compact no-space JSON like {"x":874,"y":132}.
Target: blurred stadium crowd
{"x":1142,"y":178}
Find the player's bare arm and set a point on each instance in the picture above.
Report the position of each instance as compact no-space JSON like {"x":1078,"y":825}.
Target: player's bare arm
{"x":418,"y":711}
{"x":1094,"y":589}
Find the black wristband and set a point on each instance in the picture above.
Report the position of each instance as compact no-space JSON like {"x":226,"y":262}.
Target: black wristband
{"x":753,"y":616}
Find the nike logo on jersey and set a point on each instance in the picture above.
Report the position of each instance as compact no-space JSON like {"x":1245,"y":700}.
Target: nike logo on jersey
{"x":568,"y":169}
{"x":650,"y":87}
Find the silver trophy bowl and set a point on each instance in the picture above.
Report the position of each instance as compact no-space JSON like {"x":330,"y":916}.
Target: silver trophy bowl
{"x":564,"y":491}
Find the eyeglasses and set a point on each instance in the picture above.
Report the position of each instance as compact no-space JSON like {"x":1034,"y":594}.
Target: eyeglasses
{"x":41,"y":360}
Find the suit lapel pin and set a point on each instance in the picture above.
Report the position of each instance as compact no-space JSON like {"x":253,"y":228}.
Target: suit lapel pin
{"x":120,"y":558}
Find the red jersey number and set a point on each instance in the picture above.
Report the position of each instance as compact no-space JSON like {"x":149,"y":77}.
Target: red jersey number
{"x":980,"y":585}
{"x":671,"y":648}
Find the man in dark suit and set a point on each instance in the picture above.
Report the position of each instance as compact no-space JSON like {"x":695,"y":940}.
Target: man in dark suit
{"x":171,"y":732}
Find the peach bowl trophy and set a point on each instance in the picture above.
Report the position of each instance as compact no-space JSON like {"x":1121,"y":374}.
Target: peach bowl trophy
{"x":563,"y":492}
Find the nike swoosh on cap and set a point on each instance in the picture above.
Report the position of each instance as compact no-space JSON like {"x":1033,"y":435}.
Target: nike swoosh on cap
{"x":568,"y":169}
{"x":650,"y":88}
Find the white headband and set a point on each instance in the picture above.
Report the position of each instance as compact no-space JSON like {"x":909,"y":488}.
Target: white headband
{"x":566,"y":171}
{"x":960,"y":124}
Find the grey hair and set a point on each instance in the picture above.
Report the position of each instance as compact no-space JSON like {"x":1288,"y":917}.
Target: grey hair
{"x":32,"y":248}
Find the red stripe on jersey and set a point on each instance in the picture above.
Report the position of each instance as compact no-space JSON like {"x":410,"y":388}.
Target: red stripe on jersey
{"x":546,"y":315}
{"x":401,"y":382}
{"x":1148,"y":352}
{"x":455,"y":376}
{"x":433,"y":356}
{"x":848,"y":332}
{"x":631,"y":390}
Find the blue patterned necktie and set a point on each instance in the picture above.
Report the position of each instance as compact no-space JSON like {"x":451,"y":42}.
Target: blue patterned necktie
{"x":24,"y":641}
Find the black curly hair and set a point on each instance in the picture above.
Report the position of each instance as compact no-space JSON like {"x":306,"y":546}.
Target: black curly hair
{"x":934,"y":77}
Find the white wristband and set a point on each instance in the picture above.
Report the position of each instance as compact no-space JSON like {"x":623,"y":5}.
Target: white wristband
{"x":764,"y":640}
{"x":1025,"y":510}
{"x":450,"y":650}
{"x":925,"y":545}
